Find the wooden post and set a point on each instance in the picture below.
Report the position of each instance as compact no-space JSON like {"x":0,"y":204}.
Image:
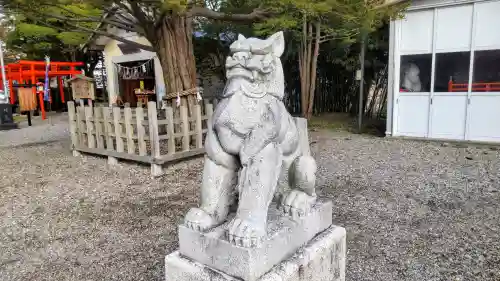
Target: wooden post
{"x":72,"y":128}
{"x":80,"y":113}
{"x":156,"y":170}
{"x":199,"y":127}
{"x":170,"y":129}
{"x":129,"y":130}
{"x":141,"y":132}
{"x":98,"y":123}
{"x":90,"y":128}
{"x":185,"y":127}
{"x":108,"y":130}
{"x":118,"y":129}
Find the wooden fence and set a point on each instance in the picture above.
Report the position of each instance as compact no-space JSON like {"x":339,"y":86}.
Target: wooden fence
{"x":151,"y":136}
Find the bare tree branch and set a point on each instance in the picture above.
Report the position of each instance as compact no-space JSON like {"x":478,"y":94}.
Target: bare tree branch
{"x":257,"y":14}
{"x":143,"y":20}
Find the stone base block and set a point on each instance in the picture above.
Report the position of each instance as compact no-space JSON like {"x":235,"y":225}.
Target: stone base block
{"x":284,"y":237}
{"x":6,"y":119}
{"x":322,"y":259}
{"x":8,"y":126}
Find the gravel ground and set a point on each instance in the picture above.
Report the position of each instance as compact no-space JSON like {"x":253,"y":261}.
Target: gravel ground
{"x":413,"y":210}
{"x":54,"y":128}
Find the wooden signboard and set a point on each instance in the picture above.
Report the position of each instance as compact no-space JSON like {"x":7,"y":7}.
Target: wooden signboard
{"x":83,"y":88}
{"x":27,"y":100}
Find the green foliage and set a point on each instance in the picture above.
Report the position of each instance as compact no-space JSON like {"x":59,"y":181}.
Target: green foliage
{"x":345,"y":20}
{"x":33,"y":30}
{"x":39,"y":27}
{"x":72,"y":38}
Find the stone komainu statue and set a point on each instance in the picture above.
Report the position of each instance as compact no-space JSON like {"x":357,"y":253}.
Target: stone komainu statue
{"x":255,"y":150}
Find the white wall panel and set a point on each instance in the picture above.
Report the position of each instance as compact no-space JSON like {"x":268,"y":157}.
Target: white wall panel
{"x":448,"y":116}
{"x":454,"y":25}
{"x":484,"y":117}
{"x":487,"y":25}
{"x":416,"y":32}
{"x":413,"y":114}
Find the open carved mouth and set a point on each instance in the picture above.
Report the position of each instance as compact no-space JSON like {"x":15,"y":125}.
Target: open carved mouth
{"x":238,"y":71}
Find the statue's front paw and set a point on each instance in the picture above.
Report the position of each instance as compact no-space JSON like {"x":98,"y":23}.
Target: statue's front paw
{"x":297,"y":203}
{"x":198,"y":219}
{"x":245,"y":233}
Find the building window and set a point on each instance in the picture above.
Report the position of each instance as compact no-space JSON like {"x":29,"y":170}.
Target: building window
{"x":486,"y":77}
{"x":415,"y":73}
{"x":452,"y":72}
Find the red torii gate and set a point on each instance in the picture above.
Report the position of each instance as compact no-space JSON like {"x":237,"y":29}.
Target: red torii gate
{"x":30,"y":71}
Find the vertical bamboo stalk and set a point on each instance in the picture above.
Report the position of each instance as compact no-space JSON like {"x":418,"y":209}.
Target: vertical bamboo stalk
{"x":90,"y":128}
{"x":170,"y":130}
{"x":129,"y":130}
{"x":185,"y":127}
{"x":108,"y":130}
{"x":118,"y":129}
{"x":199,"y":127}
{"x":141,"y":132}
{"x":99,"y":126}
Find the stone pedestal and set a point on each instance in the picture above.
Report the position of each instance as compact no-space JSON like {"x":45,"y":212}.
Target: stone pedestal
{"x":211,"y":251}
{"x":322,"y":259}
{"x":6,"y":120}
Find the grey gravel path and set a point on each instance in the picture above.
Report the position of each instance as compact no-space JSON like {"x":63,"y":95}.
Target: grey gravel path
{"x":413,"y":211}
{"x":54,"y":128}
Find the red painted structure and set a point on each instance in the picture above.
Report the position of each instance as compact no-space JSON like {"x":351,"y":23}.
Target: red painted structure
{"x":476,"y":87}
{"x":28,"y":72}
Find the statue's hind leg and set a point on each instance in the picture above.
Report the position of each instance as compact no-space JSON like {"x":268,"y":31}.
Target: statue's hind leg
{"x":301,"y":177}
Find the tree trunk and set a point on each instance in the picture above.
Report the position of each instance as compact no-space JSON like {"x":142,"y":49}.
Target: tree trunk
{"x":175,"y":51}
{"x":308,"y":61}
{"x":314,"y":66}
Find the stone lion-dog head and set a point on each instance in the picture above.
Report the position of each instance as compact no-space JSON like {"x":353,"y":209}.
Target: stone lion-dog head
{"x":254,"y":66}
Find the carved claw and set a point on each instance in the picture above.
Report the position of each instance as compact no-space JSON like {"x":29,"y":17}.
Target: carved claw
{"x":199,"y":220}
{"x":244,"y":233}
{"x":297,"y":204}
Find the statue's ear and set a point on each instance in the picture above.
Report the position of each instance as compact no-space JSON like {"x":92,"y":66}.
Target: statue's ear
{"x":278,"y":43}
{"x":241,"y":37}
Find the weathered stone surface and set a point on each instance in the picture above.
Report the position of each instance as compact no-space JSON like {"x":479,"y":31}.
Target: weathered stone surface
{"x":322,"y":259}
{"x":255,"y":150}
{"x":284,"y":237}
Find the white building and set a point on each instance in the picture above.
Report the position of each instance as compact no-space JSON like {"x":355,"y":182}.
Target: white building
{"x":118,"y":55}
{"x":444,"y":78}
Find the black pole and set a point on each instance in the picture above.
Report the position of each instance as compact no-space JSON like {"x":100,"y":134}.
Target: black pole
{"x":29,"y":117}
